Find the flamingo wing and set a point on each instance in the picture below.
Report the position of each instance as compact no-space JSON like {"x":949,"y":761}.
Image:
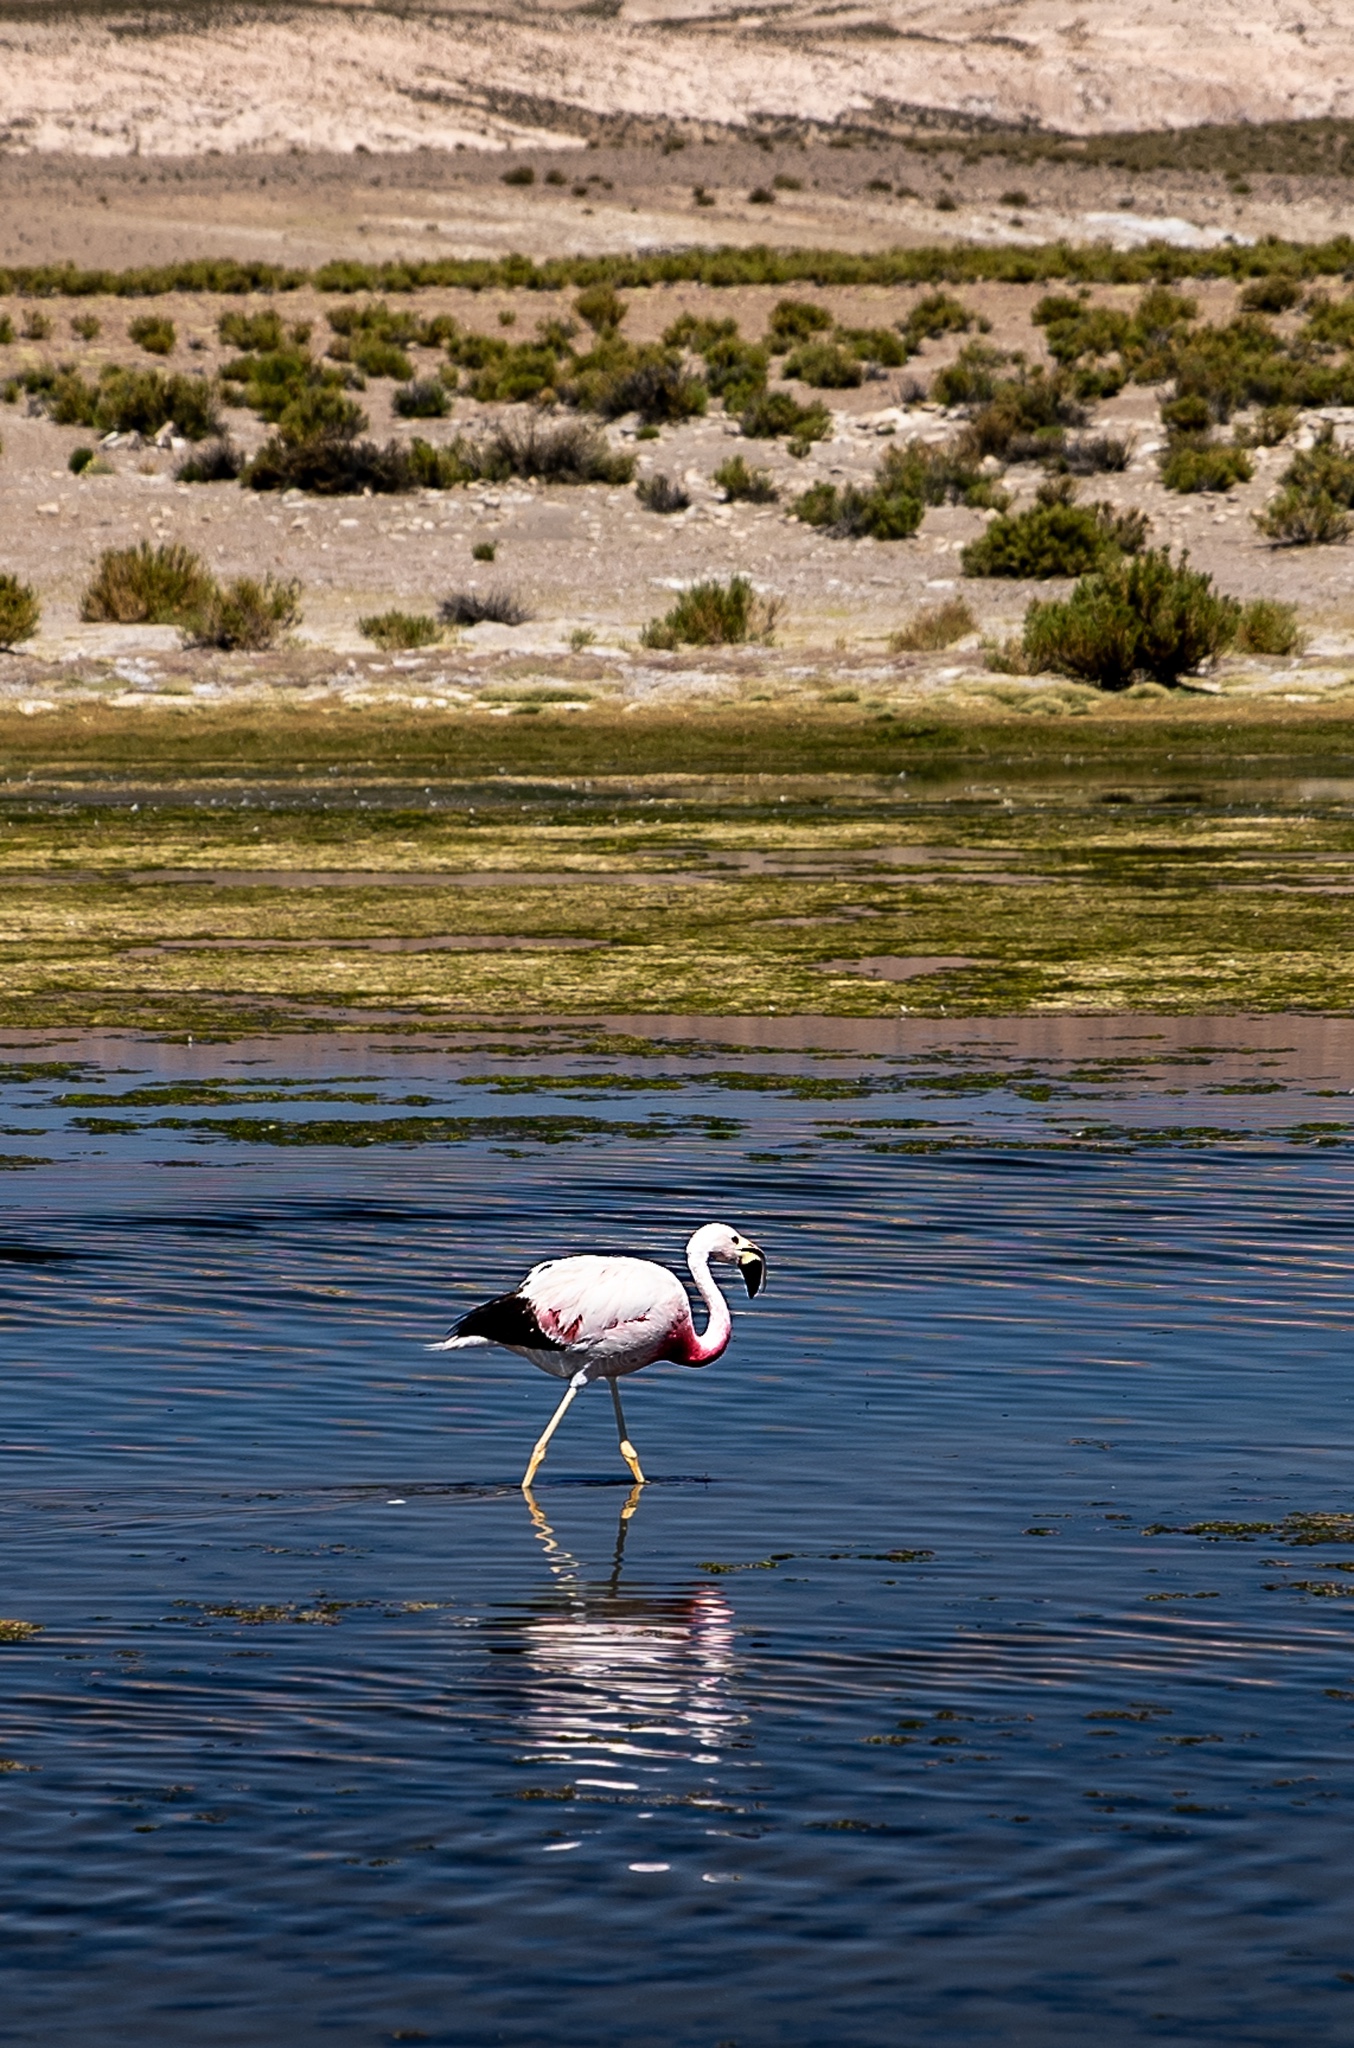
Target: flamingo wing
{"x":607,"y":1310}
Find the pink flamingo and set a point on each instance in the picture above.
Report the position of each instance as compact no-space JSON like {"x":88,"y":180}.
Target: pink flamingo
{"x":594,"y":1318}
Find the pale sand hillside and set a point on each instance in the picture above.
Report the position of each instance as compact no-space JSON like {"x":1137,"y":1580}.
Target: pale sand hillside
{"x":334,"y":78}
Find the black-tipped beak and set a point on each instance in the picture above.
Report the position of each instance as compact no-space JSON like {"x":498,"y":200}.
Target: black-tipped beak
{"x":752,"y":1266}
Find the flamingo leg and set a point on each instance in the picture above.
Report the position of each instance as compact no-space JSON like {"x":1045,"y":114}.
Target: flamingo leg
{"x":628,"y":1451}
{"x":542,"y":1442}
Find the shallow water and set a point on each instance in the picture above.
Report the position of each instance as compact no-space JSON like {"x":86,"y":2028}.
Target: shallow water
{"x":879,"y":1716}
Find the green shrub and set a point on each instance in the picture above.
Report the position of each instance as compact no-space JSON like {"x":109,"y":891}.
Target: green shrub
{"x":1268,"y":627}
{"x":214,"y":462}
{"x":6,"y":330}
{"x":1273,"y":294}
{"x":793,"y":321}
{"x":19,"y":612}
{"x":338,"y":465}
{"x":656,"y":387}
{"x":1274,"y":424}
{"x":37,"y":326}
{"x":713,"y":615}
{"x":936,"y":314}
{"x":1024,"y":416}
{"x":484,"y":551}
{"x":85,"y":326}
{"x":735,"y":371}
{"x":855,"y":514}
{"x":944,"y":474}
{"x":395,"y":632}
{"x":563,"y":452}
{"x":1187,"y":415}
{"x":513,"y":375}
{"x":1316,"y":496}
{"x":129,"y":401}
{"x":144,"y":585}
{"x":375,"y":356}
{"x":1141,"y":615}
{"x":972,"y":378}
{"x":1199,"y":465}
{"x":520,"y":174}
{"x":777,"y":412}
{"x":374,"y":318}
{"x":153,"y":332}
{"x":255,"y":331}
{"x":1054,"y":537}
{"x":78,"y":461}
{"x":274,"y":381}
{"x":737,"y":481}
{"x":825,"y":365}
{"x":931,"y":629}
{"x":427,"y":398}
{"x":245,"y":615}
{"x":1094,"y":455}
{"x":658,"y":493}
{"x":601,"y":307}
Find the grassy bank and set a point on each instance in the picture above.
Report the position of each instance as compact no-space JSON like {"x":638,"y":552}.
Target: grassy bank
{"x":1197,"y":735}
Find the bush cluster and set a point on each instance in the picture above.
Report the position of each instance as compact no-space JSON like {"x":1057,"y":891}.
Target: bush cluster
{"x":19,"y":612}
{"x":169,"y":585}
{"x":713,"y":614}
{"x":1315,"y":499}
{"x":497,"y":606}
{"x":1195,"y":462}
{"x":1054,"y":537}
{"x":396,"y":632}
{"x":658,"y":493}
{"x":125,"y":401}
{"x":934,"y":627}
{"x":1140,"y":615}
{"x":737,"y":481}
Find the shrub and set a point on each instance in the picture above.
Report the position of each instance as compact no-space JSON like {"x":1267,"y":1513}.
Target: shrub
{"x":427,"y":398}
{"x":245,"y":615}
{"x":1273,"y":294}
{"x":397,"y":631}
{"x":567,"y":452}
{"x":602,"y":308}
{"x":520,"y":174}
{"x":795,"y":320}
{"x":512,"y":375}
{"x":776,"y":412}
{"x":1187,"y":415}
{"x":1190,"y":465}
{"x":1268,"y":627}
{"x":737,"y":481}
{"x":713,"y":615}
{"x":130,"y":401}
{"x":484,"y":551}
{"x":825,"y":365}
{"x":377,"y":356}
{"x":655,"y":386}
{"x":1273,"y":425}
{"x":337,"y":465}
{"x":7,"y":330}
{"x":853,"y":514}
{"x":153,"y":332}
{"x":78,"y":461}
{"x":1095,"y":454}
{"x":928,"y":630}
{"x":215,"y":462}
{"x":1316,"y":495}
{"x":1054,"y":537}
{"x":1147,"y":615}
{"x":946,"y":203}
{"x":499,"y":607}
{"x":262,"y":331}
{"x":939,"y":475}
{"x":935,"y":314}
{"x":279,"y":381}
{"x":85,"y":326}
{"x":971,"y":379}
{"x":19,"y":612}
{"x":761,"y":195}
{"x":735,"y":371}
{"x":882,"y":345}
{"x":37,"y":326}
{"x":658,"y":493}
{"x":373,"y":317}
{"x":144,"y":585}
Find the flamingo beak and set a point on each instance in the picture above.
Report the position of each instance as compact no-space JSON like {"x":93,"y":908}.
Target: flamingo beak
{"x":752,"y":1266}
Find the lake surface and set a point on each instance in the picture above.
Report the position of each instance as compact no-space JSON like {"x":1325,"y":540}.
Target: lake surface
{"x":914,"y":1700}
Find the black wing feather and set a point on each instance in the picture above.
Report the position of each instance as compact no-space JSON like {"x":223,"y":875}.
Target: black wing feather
{"x":507,"y":1319}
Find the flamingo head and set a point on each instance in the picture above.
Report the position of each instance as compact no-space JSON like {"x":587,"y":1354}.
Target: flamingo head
{"x":717,"y":1241}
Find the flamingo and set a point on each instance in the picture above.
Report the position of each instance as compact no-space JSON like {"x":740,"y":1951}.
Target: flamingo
{"x":597,"y":1318}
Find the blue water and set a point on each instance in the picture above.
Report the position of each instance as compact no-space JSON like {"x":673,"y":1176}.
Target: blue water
{"x":875,"y":1718}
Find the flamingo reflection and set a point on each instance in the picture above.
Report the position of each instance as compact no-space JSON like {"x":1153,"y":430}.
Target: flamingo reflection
{"x":610,"y":1676}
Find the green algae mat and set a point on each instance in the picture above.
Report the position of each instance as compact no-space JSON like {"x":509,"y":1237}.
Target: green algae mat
{"x":1190,"y":869}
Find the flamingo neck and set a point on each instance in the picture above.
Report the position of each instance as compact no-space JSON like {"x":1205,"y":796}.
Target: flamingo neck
{"x":713,"y":1341}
